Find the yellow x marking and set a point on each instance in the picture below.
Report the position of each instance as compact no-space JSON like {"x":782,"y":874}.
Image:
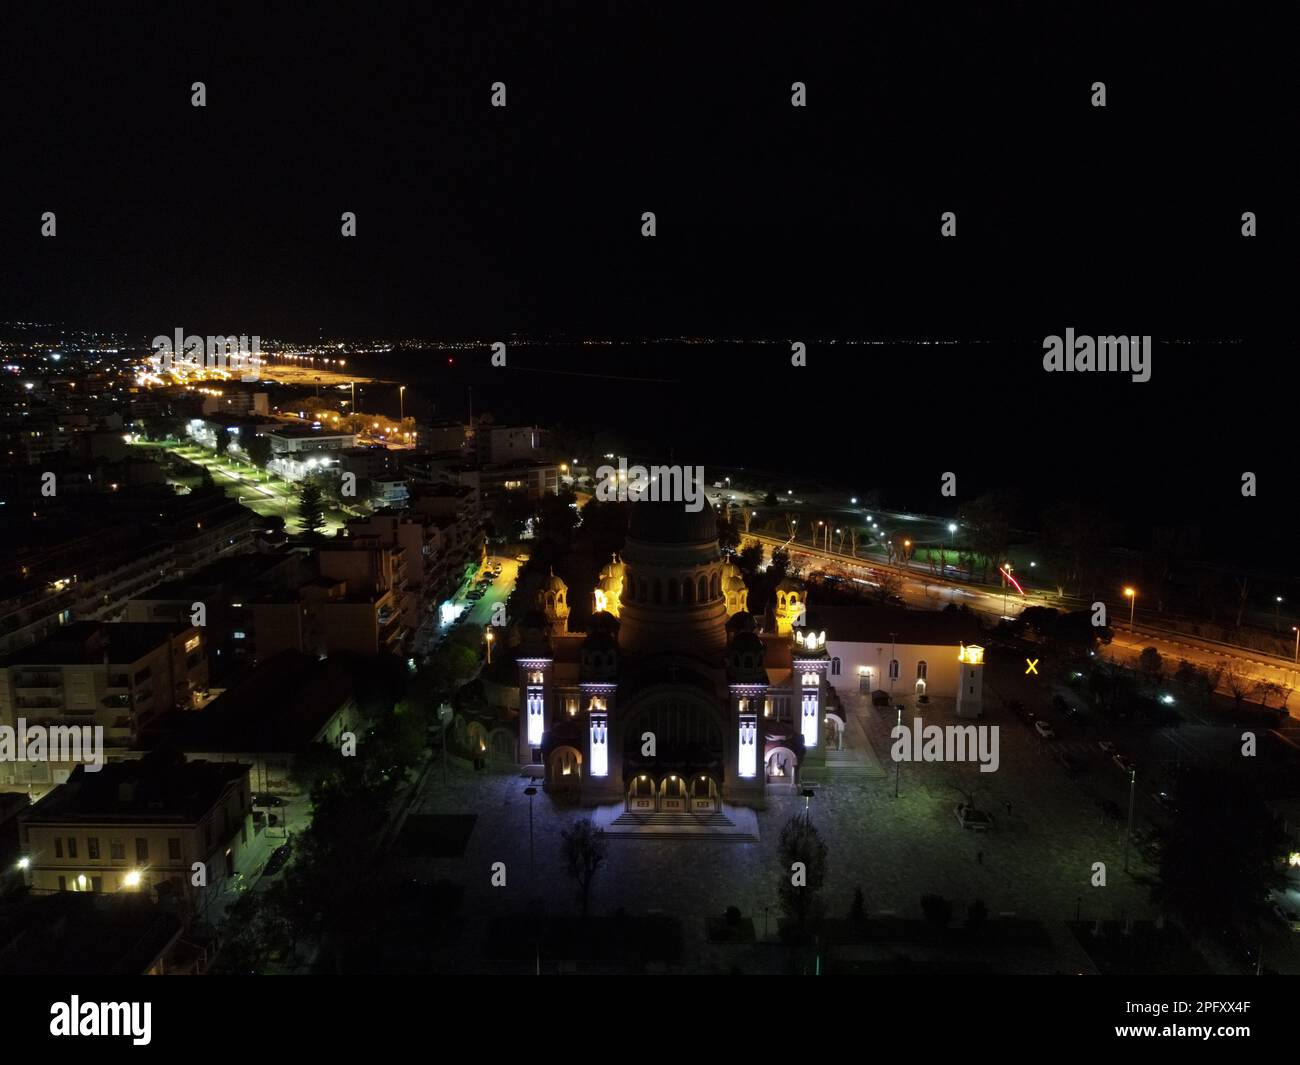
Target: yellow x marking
{"x":1033,"y":666}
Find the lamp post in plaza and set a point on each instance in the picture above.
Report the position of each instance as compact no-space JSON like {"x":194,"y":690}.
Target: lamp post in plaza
{"x":530,"y":791}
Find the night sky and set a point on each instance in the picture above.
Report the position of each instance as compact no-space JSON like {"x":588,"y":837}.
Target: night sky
{"x":773,"y":222}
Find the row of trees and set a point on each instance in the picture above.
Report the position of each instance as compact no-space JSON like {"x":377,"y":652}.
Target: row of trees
{"x":323,"y":896}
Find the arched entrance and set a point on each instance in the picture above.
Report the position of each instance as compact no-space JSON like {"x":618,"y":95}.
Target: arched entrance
{"x":476,"y":739}
{"x":782,"y":768}
{"x":833,"y":730}
{"x":642,"y":794}
{"x":704,"y":794}
{"x":564,"y":771}
{"x":672,"y":794}
{"x":501,"y":748}
{"x":674,"y":731}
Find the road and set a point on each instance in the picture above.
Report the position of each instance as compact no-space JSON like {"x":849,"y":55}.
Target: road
{"x":469,"y":612}
{"x":923,"y":590}
{"x":265,"y":495}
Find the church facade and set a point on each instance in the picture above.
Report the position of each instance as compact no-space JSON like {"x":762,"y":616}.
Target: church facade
{"x":674,"y":700}
{"x":671,"y":701}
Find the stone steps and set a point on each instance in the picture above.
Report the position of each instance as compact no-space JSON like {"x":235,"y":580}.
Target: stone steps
{"x":731,"y":823}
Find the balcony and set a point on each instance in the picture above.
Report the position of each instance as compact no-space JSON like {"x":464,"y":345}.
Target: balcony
{"x":42,"y":682}
{"x":39,"y":703}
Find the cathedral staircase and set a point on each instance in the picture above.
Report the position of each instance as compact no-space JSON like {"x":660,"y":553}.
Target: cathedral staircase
{"x":730,"y":823}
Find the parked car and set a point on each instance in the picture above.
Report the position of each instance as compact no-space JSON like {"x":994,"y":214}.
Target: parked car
{"x":1285,"y":913}
{"x":1123,"y":763}
{"x":975,"y":820}
{"x":1107,"y":746}
{"x":263,"y":799}
{"x":1045,"y":730}
{"x":276,"y":862}
{"x":1165,"y":800}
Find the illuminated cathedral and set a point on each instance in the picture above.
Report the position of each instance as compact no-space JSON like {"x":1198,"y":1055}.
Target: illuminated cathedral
{"x":673,"y":700}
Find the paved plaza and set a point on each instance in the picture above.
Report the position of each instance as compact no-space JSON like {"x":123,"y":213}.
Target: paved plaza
{"x":1036,"y":862}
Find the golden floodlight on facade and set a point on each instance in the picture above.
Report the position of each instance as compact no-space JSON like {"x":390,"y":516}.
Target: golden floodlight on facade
{"x":973,"y":654}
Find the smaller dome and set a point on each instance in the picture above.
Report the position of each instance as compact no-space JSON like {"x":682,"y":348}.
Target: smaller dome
{"x":748,"y":642}
{"x":612,"y":570}
{"x":603,"y":621}
{"x":554,"y":584}
{"x":740,"y":621}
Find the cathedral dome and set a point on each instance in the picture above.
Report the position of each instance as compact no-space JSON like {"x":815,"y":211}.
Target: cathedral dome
{"x":671,"y":523}
{"x":672,"y":597}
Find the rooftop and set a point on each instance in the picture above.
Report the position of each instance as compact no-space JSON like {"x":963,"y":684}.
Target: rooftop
{"x":871,"y":623}
{"x":157,"y":788}
{"x":84,"y":643}
{"x":281,"y":706}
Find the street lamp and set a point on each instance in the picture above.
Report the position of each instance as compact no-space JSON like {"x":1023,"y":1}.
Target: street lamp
{"x":1277,"y":613}
{"x":1132,"y":788}
{"x":952,"y":533}
{"x":898,"y":762}
{"x":489,"y":637}
{"x":530,"y":791}
{"x":401,"y":400}
{"x":1132,"y":595}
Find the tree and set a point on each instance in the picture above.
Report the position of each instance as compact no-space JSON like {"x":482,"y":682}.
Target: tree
{"x":937,"y":911}
{"x":311,"y":514}
{"x":977,"y":916}
{"x":986,"y":526}
{"x":748,"y":560}
{"x":779,"y":567}
{"x":1186,"y":675}
{"x":770,"y":500}
{"x":1210,"y":679}
{"x":887,"y":587}
{"x":1077,"y":538}
{"x":728,"y":536}
{"x":1240,"y":686}
{"x":583,"y":850}
{"x":1222,"y":855}
{"x":803,"y":871}
{"x":858,"y":911}
{"x":259,"y":450}
{"x":1151,"y":665}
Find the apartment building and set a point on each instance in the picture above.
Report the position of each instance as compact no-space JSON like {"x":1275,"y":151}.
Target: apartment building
{"x":119,"y":676}
{"x":153,"y":826}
